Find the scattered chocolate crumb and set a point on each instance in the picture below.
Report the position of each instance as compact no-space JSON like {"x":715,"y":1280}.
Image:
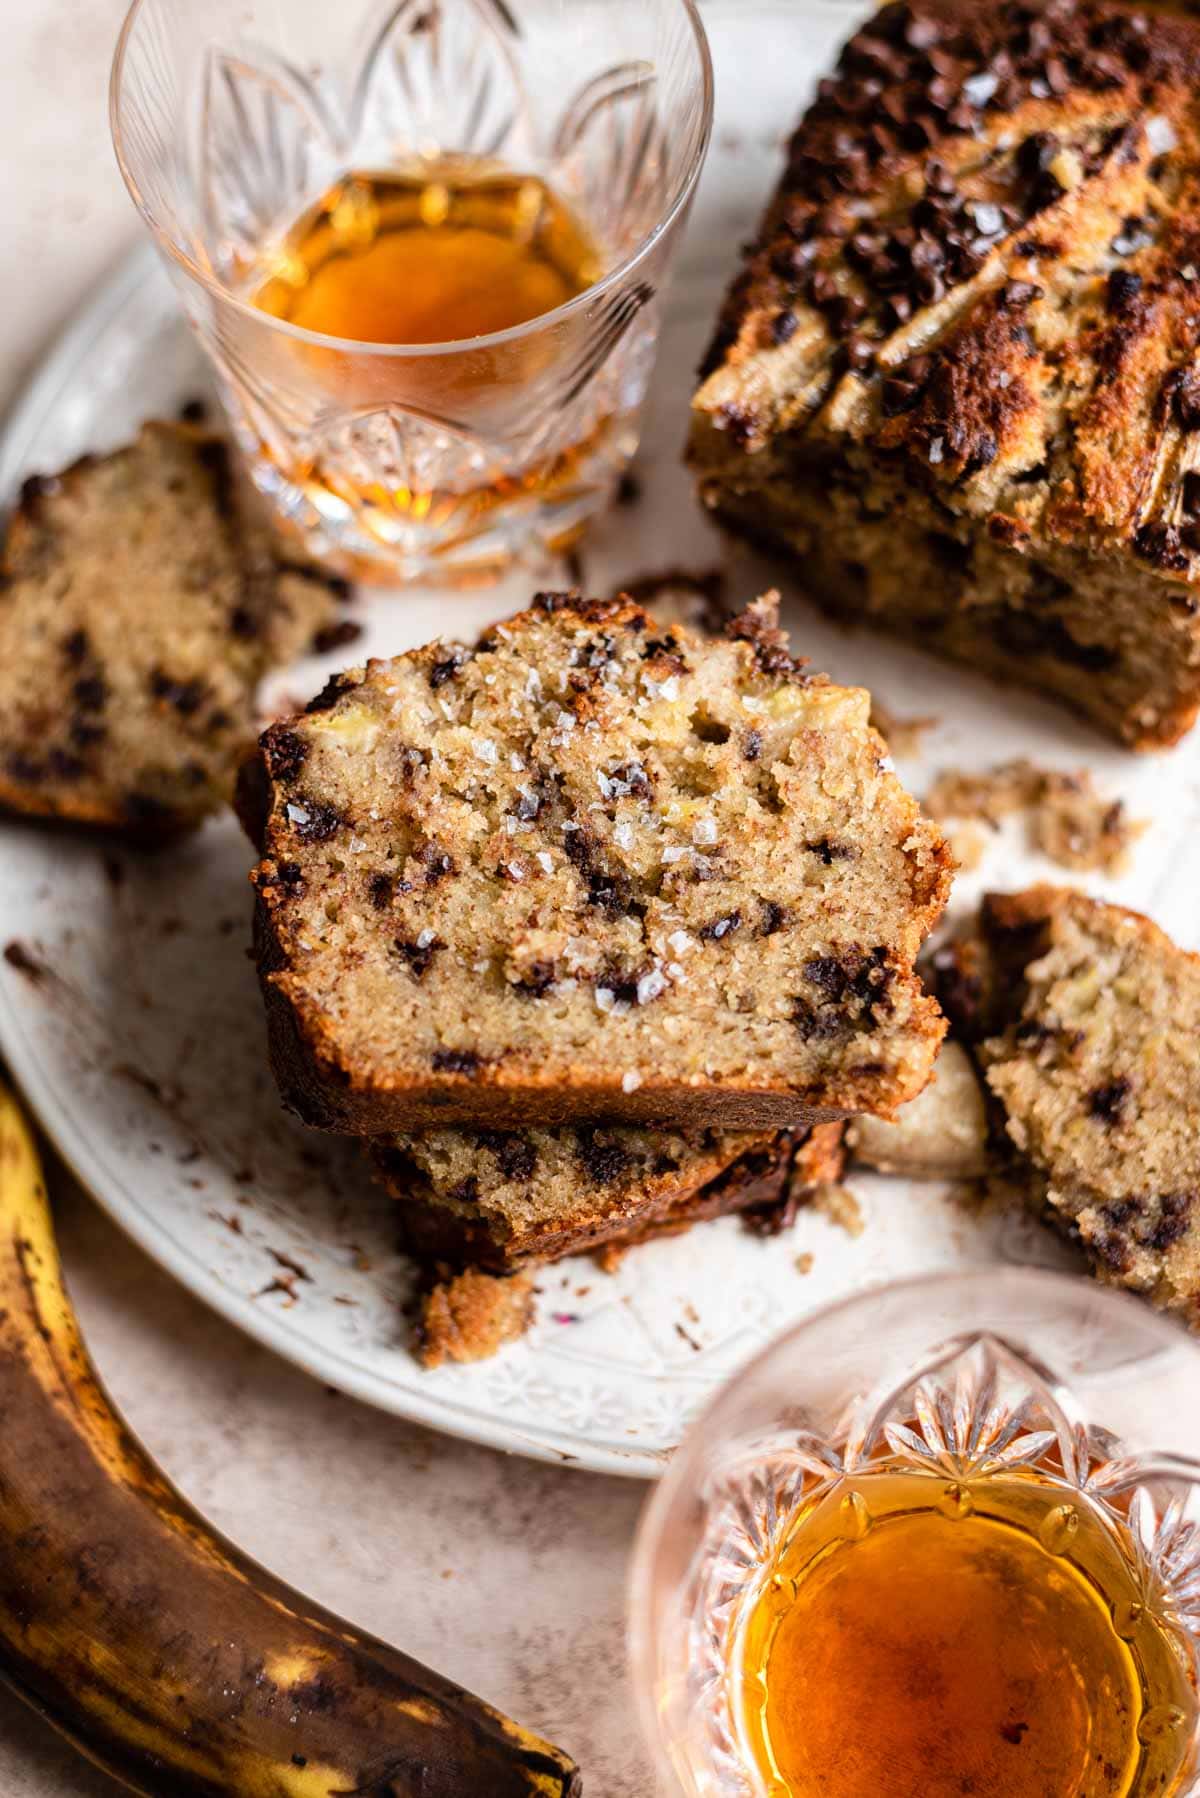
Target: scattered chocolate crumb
{"x":18,"y":955}
{"x":337,"y":636}
{"x":296,"y":1268}
{"x":1068,"y":820}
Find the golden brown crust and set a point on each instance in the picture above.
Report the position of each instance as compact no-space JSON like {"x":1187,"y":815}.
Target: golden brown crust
{"x":978,"y":280}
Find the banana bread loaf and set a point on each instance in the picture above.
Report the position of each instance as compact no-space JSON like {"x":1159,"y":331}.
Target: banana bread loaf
{"x":498,"y":1199}
{"x":591,"y":869}
{"x":957,"y":376}
{"x":1085,"y":1020}
{"x":138,"y":613}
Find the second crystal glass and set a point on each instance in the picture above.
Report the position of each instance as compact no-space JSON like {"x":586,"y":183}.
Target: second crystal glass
{"x":417,"y":460}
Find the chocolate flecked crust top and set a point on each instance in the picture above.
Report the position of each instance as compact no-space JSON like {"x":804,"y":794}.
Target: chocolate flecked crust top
{"x":591,"y":867}
{"x":1084,"y":1019}
{"x":973,"y":312}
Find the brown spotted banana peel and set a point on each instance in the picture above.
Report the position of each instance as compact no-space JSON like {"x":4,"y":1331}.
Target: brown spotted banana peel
{"x":148,"y":1639}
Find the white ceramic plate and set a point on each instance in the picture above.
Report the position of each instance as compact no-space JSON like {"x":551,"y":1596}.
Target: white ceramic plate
{"x":140,"y":1044}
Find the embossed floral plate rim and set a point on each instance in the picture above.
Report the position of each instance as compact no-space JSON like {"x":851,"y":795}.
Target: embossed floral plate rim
{"x":619,"y":1364}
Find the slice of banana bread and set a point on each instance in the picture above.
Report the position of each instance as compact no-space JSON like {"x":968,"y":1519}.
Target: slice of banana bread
{"x":138,"y":613}
{"x":958,"y":375}
{"x":591,"y":869}
{"x":1085,"y":1020}
{"x":498,"y":1199}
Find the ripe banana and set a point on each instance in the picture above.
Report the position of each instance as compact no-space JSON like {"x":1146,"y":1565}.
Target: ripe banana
{"x":149,"y":1640}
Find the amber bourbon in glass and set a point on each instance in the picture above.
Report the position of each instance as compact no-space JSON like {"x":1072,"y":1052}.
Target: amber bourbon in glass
{"x":901,"y":1558}
{"x":424,"y":246}
{"x":936,"y":1636}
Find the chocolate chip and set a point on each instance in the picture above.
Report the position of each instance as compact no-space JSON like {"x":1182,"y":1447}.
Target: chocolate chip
{"x":1108,"y":1102}
{"x":456,"y":1061}
{"x":65,"y":766}
{"x":90,"y":693}
{"x":791,"y":259}
{"x":336,"y":636}
{"x":445,"y":669}
{"x":290,"y":876}
{"x":1183,"y":388}
{"x":537,"y":979}
{"x":186,"y":696}
{"x":1123,"y":288}
{"x":419,"y":954}
{"x":330,"y":693}
{"x":1133,"y":236}
{"x":516,"y":1154}
{"x":772,"y":918}
{"x":76,"y":646}
{"x":752,"y":745}
{"x":784,"y":327}
{"x":719,"y":928}
{"x":243,"y":623}
{"x":317,"y":823}
{"x":1175,"y":1209}
{"x":285,"y":750}
{"x":604,"y":1158}
{"x":380,"y":888}
{"x":1020,"y":293}
{"x":23,"y":768}
{"x":830,"y":851}
{"x":36,"y":487}
{"x":437,"y":864}
{"x":1160,"y":544}
{"x":901,"y":391}
{"x":812,"y":1024}
{"x":846,"y":312}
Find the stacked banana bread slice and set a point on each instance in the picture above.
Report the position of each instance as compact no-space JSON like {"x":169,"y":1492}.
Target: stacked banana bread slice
{"x":590,"y":927}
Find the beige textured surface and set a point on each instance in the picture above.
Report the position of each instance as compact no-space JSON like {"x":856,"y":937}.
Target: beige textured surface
{"x":516,"y":1588}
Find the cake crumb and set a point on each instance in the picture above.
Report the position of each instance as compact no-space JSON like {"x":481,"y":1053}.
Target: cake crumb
{"x":967,"y":846}
{"x":903,"y":736}
{"x":471,"y":1315}
{"x":1078,"y":828}
{"x":1067,"y":819}
{"x":841,"y":1207}
{"x":804,"y":1263}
